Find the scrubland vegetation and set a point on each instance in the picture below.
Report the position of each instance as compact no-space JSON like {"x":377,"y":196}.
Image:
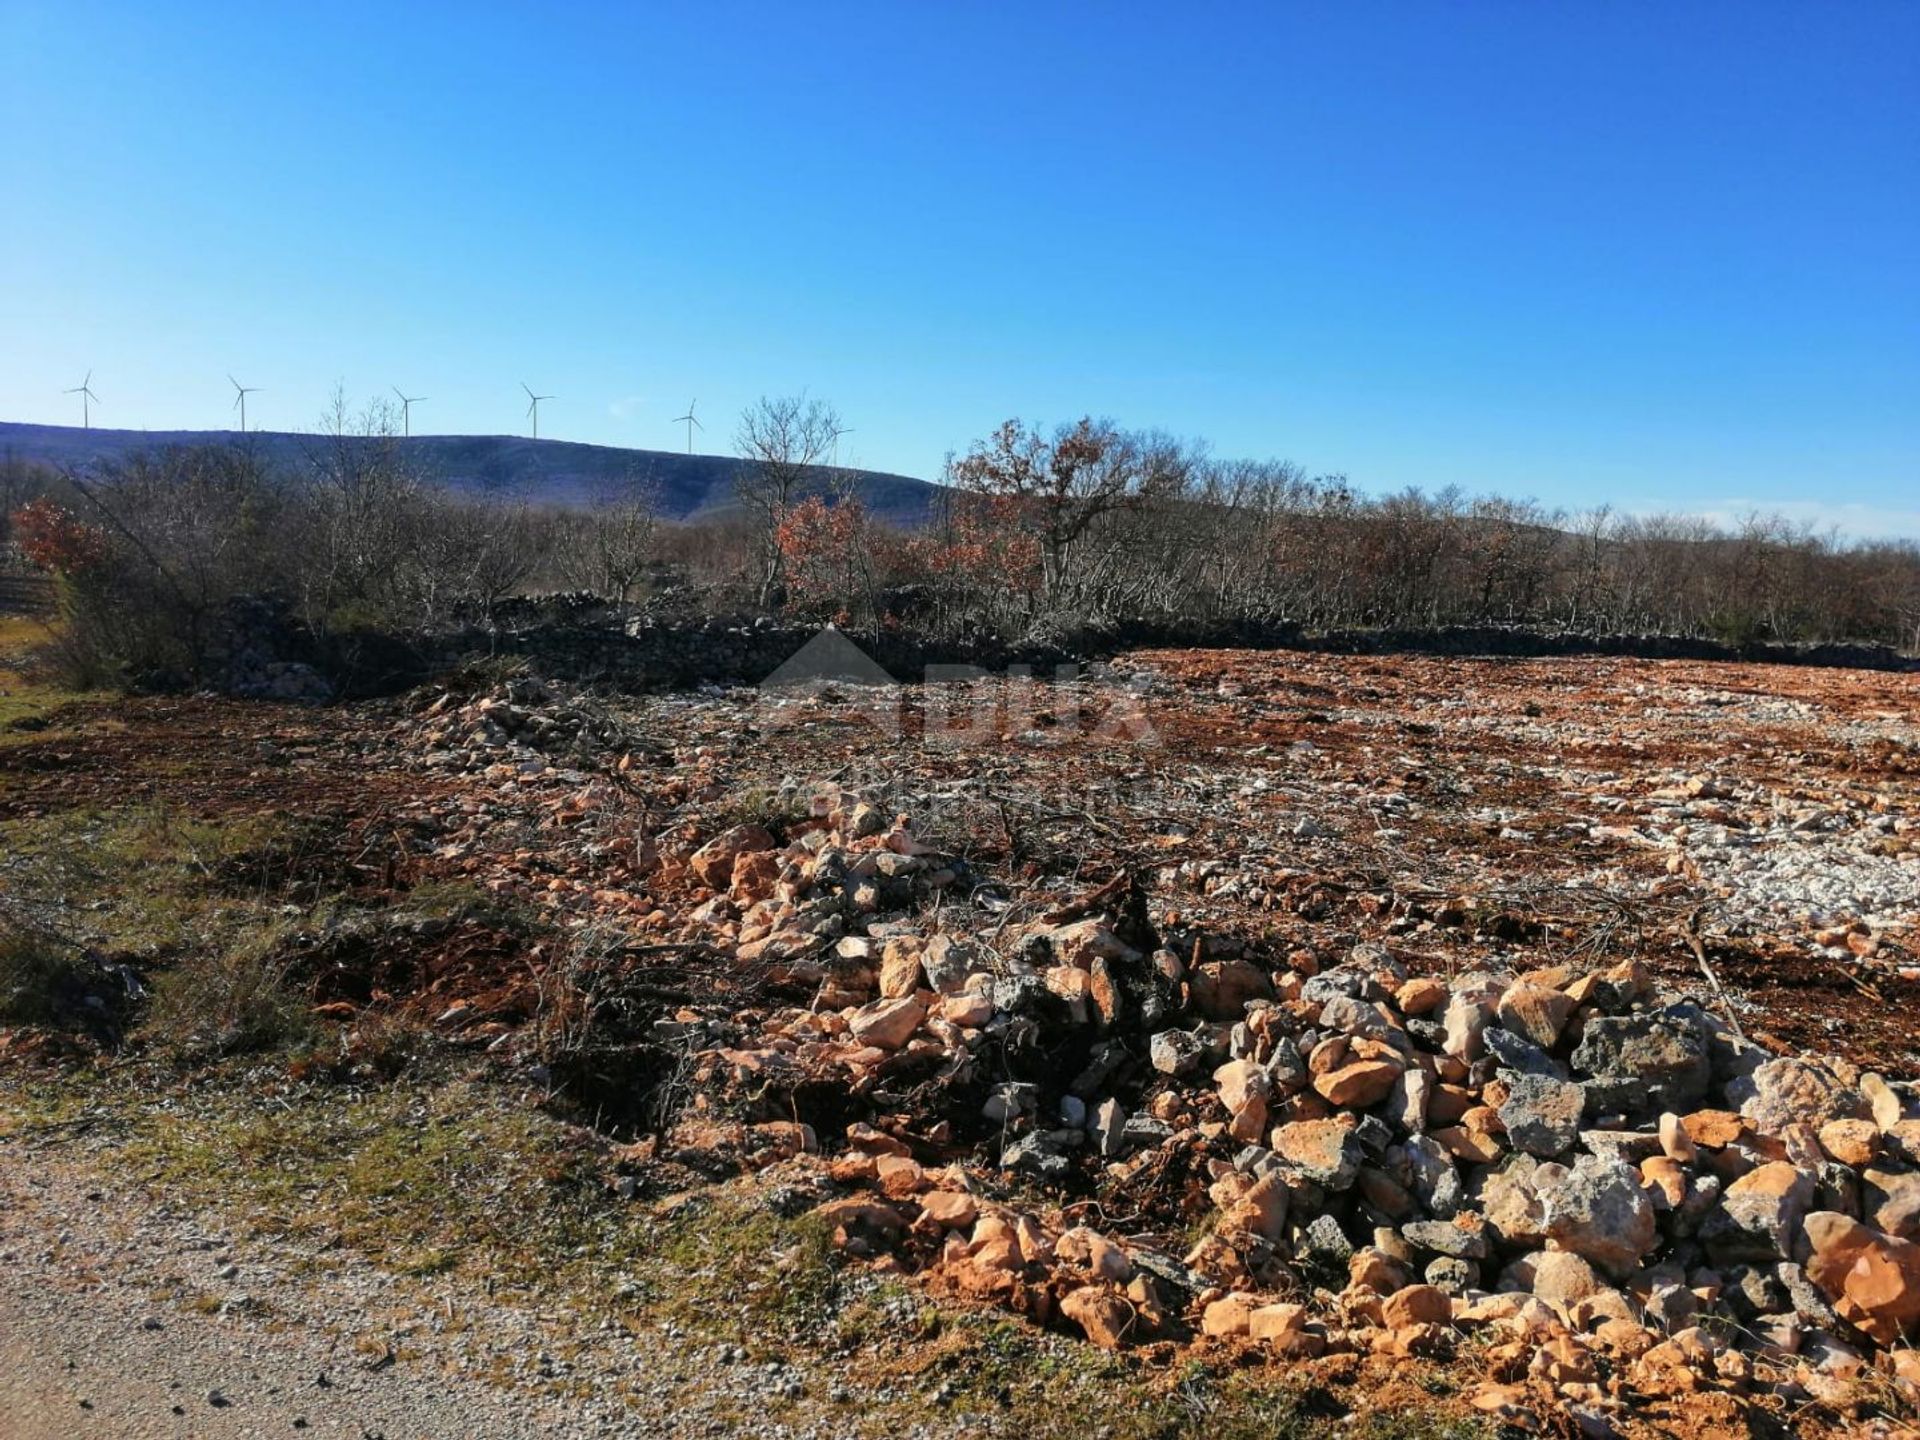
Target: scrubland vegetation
{"x":1042,"y":535}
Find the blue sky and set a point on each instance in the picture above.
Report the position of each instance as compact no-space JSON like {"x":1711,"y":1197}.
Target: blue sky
{"x":1666,"y":256}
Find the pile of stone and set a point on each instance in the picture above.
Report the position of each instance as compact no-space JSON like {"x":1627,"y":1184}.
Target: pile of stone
{"x":523,"y":730}
{"x":1618,"y":1191}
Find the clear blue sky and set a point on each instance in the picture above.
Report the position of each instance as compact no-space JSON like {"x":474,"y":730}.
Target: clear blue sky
{"x":1658,"y":254}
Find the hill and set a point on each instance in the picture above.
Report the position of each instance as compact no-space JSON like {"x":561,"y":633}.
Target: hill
{"x":554,"y":472}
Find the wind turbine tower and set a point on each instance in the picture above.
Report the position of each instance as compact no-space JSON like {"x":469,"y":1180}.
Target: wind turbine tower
{"x":691,"y":422}
{"x":533,"y":406}
{"x":407,"y":402}
{"x":240,"y":399}
{"x":85,"y":391}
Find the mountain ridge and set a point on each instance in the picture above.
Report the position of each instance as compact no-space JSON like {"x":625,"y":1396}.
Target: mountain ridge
{"x":567,"y":473}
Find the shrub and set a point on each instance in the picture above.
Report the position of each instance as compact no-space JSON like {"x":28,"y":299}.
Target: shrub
{"x":233,"y":1001}
{"x":43,"y":980}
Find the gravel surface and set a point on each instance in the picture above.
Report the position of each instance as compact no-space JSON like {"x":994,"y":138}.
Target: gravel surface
{"x":123,"y":1319}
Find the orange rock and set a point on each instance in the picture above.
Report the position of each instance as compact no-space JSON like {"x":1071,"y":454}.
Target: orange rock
{"x":1851,"y":1142}
{"x":1102,"y":1258}
{"x":1283,"y":1329}
{"x":1713,"y":1129}
{"x":1421,"y":995}
{"x":1262,"y":1209}
{"x":900,"y":967}
{"x":1534,"y":1011}
{"x":1872,"y":1279}
{"x":1104,"y":1316}
{"x":1449,"y":1103}
{"x":951,"y":1209}
{"x":1474,"y":1146}
{"x":1417,"y":1305}
{"x":1357,"y":1086}
{"x":1227,"y":1316}
{"x":887,"y":1024}
{"x":1667,"y":1178}
{"x":900,"y":1178}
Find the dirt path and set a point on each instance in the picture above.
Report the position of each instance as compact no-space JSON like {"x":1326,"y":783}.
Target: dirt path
{"x":124,"y":1321}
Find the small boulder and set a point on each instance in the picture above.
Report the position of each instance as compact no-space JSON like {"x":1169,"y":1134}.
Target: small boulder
{"x":1102,"y":1316}
{"x":1535,"y":1011}
{"x":1542,"y":1115}
{"x":1597,"y":1208}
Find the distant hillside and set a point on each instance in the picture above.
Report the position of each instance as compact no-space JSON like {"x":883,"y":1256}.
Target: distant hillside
{"x":555,"y":472}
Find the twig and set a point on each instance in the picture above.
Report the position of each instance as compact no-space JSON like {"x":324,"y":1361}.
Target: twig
{"x":1692,"y":936}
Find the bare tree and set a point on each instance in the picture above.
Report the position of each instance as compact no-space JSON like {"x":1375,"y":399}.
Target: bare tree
{"x":781,"y":440}
{"x":607,"y":549}
{"x":1060,"y":485}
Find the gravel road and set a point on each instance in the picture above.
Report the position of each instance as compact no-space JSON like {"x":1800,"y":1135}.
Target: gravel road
{"x":125,"y":1319}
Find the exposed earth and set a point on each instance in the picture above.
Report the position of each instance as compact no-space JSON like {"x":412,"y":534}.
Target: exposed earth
{"x":1166,"y":1011}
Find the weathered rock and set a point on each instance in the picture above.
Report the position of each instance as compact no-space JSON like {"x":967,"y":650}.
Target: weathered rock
{"x":1598,"y":1209}
{"x":1885,"y":1102}
{"x":948,"y":963}
{"x":1222,"y":988}
{"x":1417,"y":1305}
{"x":1359,"y":1085}
{"x":1795,"y":1091}
{"x":1760,"y":1214}
{"x":1872,"y":1279}
{"x":888,"y":1024}
{"x":713,"y":862}
{"x":1412,"y":1094}
{"x":1175,"y":1052}
{"x":1653,"y":1062}
{"x":1325,"y":1151}
{"x":1535,"y":1011}
{"x":900,"y":967}
{"x":1542,"y":1115}
{"x":1463,"y":1238}
{"x":1563,"y":1279}
{"x":1466,"y":1020}
{"x":1511,"y":1205}
{"x":1890,"y":1201}
{"x":1102,"y":1316}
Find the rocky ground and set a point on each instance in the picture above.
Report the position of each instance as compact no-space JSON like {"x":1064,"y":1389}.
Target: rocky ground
{"x":1545,"y":1026}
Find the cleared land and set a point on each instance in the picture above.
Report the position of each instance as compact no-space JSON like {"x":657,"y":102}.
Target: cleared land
{"x":644,"y":1031}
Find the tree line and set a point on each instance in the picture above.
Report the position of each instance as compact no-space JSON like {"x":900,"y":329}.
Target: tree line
{"x":1040,"y":534}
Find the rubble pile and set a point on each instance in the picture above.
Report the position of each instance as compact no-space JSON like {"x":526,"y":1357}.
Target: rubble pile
{"x":525,"y":729}
{"x":1613,"y":1194}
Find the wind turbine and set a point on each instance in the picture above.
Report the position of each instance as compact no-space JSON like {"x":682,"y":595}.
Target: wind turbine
{"x":407,"y":402}
{"x":838,"y":431}
{"x":533,"y":406}
{"x":691,"y":422}
{"x":85,"y":391}
{"x":240,"y":399}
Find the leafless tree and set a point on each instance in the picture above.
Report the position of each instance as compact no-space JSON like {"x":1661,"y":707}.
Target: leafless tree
{"x":606,"y":549}
{"x":781,"y":439}
{"x":1060,"y":485}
